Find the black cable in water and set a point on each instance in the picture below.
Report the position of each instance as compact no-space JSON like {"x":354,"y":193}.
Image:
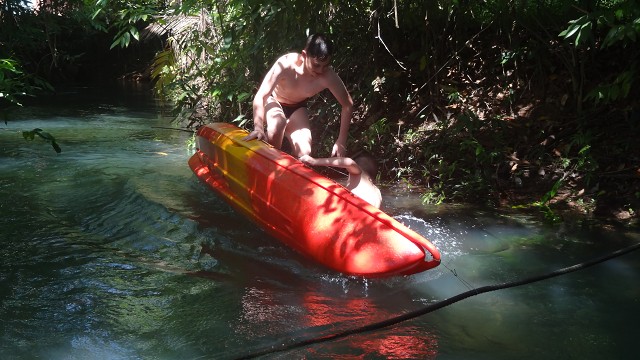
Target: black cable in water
{"x":432,"y":307}
{"x":172,"y":128}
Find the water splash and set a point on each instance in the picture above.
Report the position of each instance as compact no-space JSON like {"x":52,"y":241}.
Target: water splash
{"x":447,"y":240}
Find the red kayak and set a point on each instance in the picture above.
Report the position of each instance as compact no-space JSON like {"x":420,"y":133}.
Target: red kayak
{"x":305,"y":210}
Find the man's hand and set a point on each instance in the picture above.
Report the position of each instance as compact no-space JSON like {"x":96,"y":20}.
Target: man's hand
{"x":339,"y":150}
{"x":307,"y":160}
{"x":256,"y":135}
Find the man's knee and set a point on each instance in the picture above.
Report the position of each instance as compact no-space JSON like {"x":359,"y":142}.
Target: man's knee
{"x":301,"y":140}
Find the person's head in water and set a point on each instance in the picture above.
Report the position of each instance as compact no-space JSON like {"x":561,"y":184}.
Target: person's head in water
{"x":367,"y":163}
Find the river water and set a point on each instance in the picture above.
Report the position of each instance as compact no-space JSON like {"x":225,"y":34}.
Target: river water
{"x":113,"y":249}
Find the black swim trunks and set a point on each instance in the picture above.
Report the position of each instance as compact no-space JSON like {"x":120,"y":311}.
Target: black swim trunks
{"x":289,"y":109}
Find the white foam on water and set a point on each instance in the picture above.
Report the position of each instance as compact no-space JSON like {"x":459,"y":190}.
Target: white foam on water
{"x":447,"y":241}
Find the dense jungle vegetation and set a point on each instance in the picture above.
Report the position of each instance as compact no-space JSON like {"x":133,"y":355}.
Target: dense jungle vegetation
{"x":505,"y":102}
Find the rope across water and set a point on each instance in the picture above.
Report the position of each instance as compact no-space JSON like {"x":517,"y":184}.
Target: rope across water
{"x":297,"y":343}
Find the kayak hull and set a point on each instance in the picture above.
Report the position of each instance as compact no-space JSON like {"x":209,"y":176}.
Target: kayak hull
{"x":308,"y":212}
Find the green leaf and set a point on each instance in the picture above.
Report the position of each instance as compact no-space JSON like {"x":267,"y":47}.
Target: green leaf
{"x":552,"y":193}
{"x":95,"y":14}
{"x":30,"y":135}
{"x":243,"y":96}
{"x":610,"y":38}
{"x":568,"y":32}
{"x":584,"y":149}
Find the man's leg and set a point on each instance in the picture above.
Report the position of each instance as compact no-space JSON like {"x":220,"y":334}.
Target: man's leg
{"x":299,"y":133}
{"x":276,"y":123}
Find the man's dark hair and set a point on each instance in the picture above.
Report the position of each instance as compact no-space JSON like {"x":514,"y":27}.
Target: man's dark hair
{"x":367,"y":163}
{"x":319,"y":46}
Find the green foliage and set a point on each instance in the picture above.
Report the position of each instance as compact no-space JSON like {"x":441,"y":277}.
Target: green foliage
{"x":53,"y":42}
{"x":11,"y":85}
{"x":543,"y":204}
{"x":613,"y":24}
{"x":580,"y":30}
{"x":618,"y":89}
{"x":125,"y":17}
{"x":376,"y":134}
{"x":623,"y":22}
{"x":440,"y":177}
{"x":30,"y":135}
{"x":218,"y":51}
{"x":14,"y":84}
{"x":163,"y":70}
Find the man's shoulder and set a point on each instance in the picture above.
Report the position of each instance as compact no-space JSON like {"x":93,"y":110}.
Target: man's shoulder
{"x":332,"y":76}
{"x":288,"y":60}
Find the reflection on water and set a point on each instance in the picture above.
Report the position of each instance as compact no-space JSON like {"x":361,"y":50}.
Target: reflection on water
{"x":404,"y":342}
{"x":113,"y":250}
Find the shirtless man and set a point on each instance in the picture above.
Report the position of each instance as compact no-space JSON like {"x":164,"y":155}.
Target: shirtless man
{"x":282,"y":97}
{"x":362,"y":171}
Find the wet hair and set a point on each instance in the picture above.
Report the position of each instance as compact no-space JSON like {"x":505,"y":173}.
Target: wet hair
{"x":319,"y":46}
{"x":367,"y":163}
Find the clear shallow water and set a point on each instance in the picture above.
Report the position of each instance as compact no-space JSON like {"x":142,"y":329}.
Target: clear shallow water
{"x":114,"y":250}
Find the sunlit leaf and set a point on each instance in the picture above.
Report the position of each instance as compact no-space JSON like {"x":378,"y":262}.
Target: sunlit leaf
{"x":135,"y":33}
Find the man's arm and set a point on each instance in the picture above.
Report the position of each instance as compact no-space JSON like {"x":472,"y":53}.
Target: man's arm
{"x":339,"y":91}
{"x":341,"y":162}
{"x":260,"y":99}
